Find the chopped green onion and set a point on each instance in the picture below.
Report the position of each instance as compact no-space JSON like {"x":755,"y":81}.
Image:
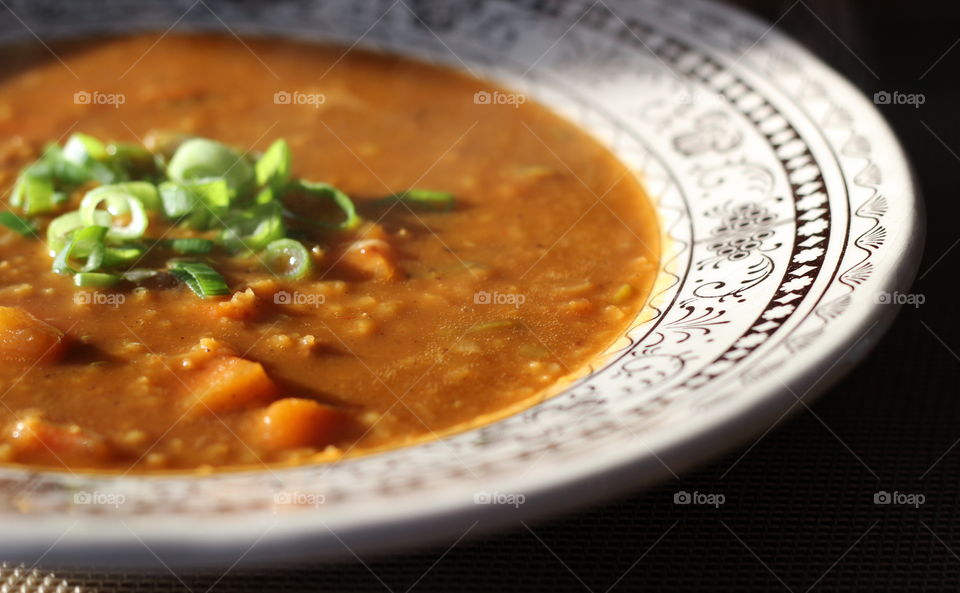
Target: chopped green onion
{"x":33,"y":192}
{"x":119,"y":203}
{"x":203,"y":184}
{"x":53,"y":165}
{"x":202,"y":159}
{"x":138,"y":275}
{"x":86,"y":242}
{"x":177,"y":200}
{"x":265,"y":196}
{"x":144,"y":191}
{"x":96,"y":279}
{"x":203,"y":280}
{"x":86,"y":152}
{"x":59,"y":229}
{"x":288,"y":258}
{"x":132,"y":158}
{"x":116,"y":256}
{"x":342,"y":200}
{"x":190,"y":245}
{"x":81,"y":148}
{"x":425,"y":198}
{"x":198,"y":203}
{"x":215,"y":193}
{"x":15,"y":223}
{"x":253,"y":229}
{"x":273,"y":168}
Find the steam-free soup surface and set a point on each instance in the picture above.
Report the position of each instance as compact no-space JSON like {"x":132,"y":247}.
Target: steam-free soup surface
{"x":414,"y":324}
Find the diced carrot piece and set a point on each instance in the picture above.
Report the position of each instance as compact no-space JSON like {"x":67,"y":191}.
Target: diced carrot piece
{"x":369,"y":259}
{"x":37,"y":440}
{"x":26,"y":339}
{"x":293,"y":422}
{"x":372,"y":230}
{"x":227,"y":383}
{"x":242,"y":305}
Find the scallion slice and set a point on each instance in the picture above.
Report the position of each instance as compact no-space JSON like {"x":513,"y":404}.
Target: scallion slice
{"x":288,"y":258}
{"x":139,"y":275}
{"x":96,"y":279}
{"x":132,"y":158}
{"x":15,"y":223}
{"x":86,"y":152}
{"x":59,"y":229}
{"x":81,"y":148}
{"x":144,"y":191}
{"x":215,"y":193}
{"x":424,"y":198}
{"x":119,"y":204}
{"x":329,"y":192}
{"x":203,"y":280}
{"x":253,"y":229}
{"x":62,"y":171}
{"x":33,"y":192}
{"x":86,"y":242}
{"x":190,"y":245}
{"x":176,"y":199}
{"x":118,"y":256}
{"x":201,"y":159}
{"x":274,"y":167}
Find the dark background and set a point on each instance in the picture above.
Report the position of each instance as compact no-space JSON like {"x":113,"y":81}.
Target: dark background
{"x":800,"y":513}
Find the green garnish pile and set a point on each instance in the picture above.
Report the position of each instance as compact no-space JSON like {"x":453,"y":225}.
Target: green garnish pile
{"x":202,"y":185}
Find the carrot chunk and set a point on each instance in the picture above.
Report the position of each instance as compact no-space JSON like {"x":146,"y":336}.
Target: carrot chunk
{"x":26,"y":339}
{"x":292,"y":422}
{"x":227,"y":383}
{"x":369,"y":259}
{"x":39,"y":441}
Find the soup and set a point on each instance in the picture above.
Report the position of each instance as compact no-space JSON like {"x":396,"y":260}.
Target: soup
{"x":483,"y":251}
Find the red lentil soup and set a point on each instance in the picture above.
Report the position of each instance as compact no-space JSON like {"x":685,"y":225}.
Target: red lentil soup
{"x":409,"y":323}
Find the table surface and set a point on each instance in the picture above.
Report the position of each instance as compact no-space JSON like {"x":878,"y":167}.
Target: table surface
{"x":799,"y":512}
